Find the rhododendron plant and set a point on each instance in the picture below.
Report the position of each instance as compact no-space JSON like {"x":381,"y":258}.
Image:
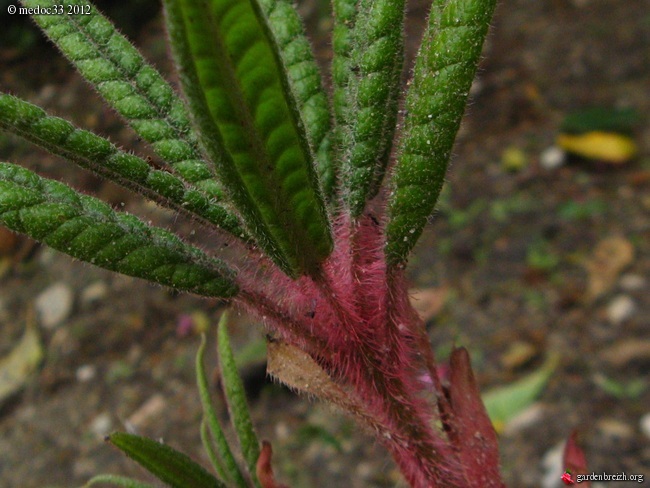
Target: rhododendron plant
{"x":323,"y":195}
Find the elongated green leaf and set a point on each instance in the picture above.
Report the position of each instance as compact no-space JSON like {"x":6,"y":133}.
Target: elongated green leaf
{"x":91,"y":231}
{"x":236,"y":398}
{"x":373,"y":88}
{"x":168,"y":465}
{"x":305,"y":83}
{"x":233,"y":80}
{"x":130,"y":85}
{"x":222,"y":460}
{"x":97,"y":154}
{"x":435,"y":103}
{"x":345,"y":16}
{"x":121,"y":481}
{"x":505,"y":402}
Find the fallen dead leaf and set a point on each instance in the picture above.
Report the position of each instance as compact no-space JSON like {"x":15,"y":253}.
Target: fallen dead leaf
{"x":429,"y":302}
{"x":624,"y":352}
{"x":518,"y":354}
{"x":610,"y":257}
{"x":21,"y":362}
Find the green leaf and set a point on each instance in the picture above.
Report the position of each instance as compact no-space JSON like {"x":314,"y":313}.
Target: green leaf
{"x":605,"y":119}
{"x":373,"y":88}
{"x":305,"y":83}
{"x":131,"y":86}
{"x":505,"y":402}
{"x":631,"y":389}
{"x":435,"y":103}
{"x":236,"y":398}
{"x":345,"y":16}
{"x":233,"y":80}
{"x":168,"y":465}
{"x":117,"y":481}
{"x":92,"y":152}
{"x":88,"y":229}
{"x":222,"y":460}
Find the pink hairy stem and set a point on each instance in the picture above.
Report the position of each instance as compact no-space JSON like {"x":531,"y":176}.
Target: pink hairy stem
{"x":358,"y":325}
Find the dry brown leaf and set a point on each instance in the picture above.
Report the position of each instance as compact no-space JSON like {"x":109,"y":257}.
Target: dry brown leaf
{"x":610,"y":257}
{"x":624,"y":352}
{"x":299,"y":371}
{"x":429,"y":302}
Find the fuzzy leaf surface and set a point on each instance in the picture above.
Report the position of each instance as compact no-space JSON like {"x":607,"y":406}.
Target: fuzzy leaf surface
{"x":435,"y":104}
{"x":120,"y":481}
{"x":89,"y":230}
{"x":168,"y":465}
{"x":373,"y":88}
{"x":345,"y":16}
{"x":234,"y":82}
{"x":131,"y":86}
{"x":97,"y":154}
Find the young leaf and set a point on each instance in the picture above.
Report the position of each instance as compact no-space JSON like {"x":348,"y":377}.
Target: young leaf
{"x":222,"y":460}
{"x":376,"y":59}
{"x":120,"y":481}
{"x":89,"y":230}
{"x":305,"y":83}
{"x":233,"y":81}
{"x":168,"y":465}
{"x":236,"y":398}
{"x":435,"y":104}
{"x":131,"y":86}
{"x":97,"y":154}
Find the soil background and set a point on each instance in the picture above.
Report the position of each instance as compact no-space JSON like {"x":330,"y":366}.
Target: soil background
{"x":507,"y":265}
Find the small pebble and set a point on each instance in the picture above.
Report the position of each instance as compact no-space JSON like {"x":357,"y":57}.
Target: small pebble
{"x":620,"y":309}
{"x":365,"y":471}
{"x":86,"y":373}
{"x":94,"y":292}
{"x":54,"y":304}
{"x":552,"y":157}
{"x":282,"y":432}
{"x":632,"y":282}
{"x":644,"y":424}
{"x":552,"y":466}
{"x":101,"y":425}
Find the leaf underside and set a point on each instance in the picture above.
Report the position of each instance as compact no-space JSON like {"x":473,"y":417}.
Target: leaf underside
{"x":173,"y":468}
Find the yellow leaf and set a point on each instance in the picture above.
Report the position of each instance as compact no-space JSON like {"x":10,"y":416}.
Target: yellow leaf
{"x":602,"y":146}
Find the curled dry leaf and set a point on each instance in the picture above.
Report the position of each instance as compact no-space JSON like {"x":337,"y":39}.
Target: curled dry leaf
{"x":300,"y":372}
{"x":610,"y":257}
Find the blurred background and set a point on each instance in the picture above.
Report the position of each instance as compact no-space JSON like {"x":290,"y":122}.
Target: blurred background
{"x":537,"y":260}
